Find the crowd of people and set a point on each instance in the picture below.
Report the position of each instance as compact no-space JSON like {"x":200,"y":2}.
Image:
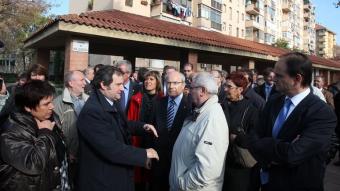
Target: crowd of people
{"x":113,"y":128}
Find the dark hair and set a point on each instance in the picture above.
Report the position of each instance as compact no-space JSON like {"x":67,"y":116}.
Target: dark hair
{"x":22,"y":75}
{"x":32,"y":93}
{"x":37,"y":69}
{"x":189,"y":64}
{"x":104,"y":74}
{"x":141,"y":72}
{"x":167,"y":67}
{"x":267,"y":71}
{"x":238,"y":79}
{"x":97,"y":67}
{"x":298,"y":63}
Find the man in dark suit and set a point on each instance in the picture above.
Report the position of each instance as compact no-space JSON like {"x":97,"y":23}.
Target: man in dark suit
{"x":267,"y":89}
{"x":107,"y":159}
{"x":217,"y":74}
{"x":89,"y":75}
{"x":169,"y":115}
{"x":130,"y":87}
{"x":294,"y":130}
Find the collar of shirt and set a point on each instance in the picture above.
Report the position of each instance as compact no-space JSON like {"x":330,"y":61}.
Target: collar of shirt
{"x":268,"y":86}
{"x":176,"y":99}
{"x":299,"y":97}
{"x":110,"y":102}
{"x":127,"y":85}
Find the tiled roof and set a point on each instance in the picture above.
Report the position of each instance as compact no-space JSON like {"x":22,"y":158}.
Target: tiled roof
{"x":131,"y":23}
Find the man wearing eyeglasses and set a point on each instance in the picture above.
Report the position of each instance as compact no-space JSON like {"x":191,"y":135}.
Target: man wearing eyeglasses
{"x":169,"y":114}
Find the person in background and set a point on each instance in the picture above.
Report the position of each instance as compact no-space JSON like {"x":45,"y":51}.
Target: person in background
{"x":35,"y":72}
{"x":89,"y":75}
{"x":130,"y":88}
{"x":241,"y":116}
{"x":141,"y":109}
{"x":249,"y":93}
{"x":188,"y":70}
{"x":68,"y":106}
{"x":259,"y":80}
{"x":218,"y":79}
{"x":198,"y":156}
{"x":4,"y":94}
{"x":293,"y":133}
{"x":166,"y":71}
{"x":21,"y":80}
{"x":319,"y":82}
{"x":97,"y":67}
{"x":33,"y":154}
{"x":267,"y":89}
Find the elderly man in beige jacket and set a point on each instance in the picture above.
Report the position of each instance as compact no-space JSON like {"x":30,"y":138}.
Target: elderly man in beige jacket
{"x":200,"y":149}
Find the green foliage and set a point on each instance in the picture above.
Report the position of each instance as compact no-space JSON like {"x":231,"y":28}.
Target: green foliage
{"x":281,"y":43}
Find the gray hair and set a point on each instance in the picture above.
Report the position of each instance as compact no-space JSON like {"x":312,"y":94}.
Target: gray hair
{"x":88,"y":69}
{"x":69,"y":77}
{"x":206,"y":80}
{"x":124,"y":62}
{"x":180,"y":75}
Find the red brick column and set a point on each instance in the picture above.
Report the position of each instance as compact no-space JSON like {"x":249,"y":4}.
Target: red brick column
{"x":75,"y":59}
{"x":189,"y":57}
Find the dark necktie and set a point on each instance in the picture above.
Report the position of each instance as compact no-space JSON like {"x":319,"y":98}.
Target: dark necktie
{"x":170,"y":114}
{"x":122,"y":100}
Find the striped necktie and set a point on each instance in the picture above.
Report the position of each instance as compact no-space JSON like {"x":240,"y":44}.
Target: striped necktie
{"x":170,"y":114}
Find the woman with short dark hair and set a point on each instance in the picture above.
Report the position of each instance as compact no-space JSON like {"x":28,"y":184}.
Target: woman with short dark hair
{"x":33,"y":154}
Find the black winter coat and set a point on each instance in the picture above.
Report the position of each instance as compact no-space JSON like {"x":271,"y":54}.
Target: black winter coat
{"x":30,"y":157}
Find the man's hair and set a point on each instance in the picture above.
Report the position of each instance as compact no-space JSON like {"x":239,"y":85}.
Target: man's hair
{"x":249,"y":73}
{"x":38,"y":70}
{"x":205,"y":80}
{"x":189,"y":64}
{"x":126,"y":63}
{"x":104,"y":74}
{"x":69,"y":77}
{"x":167,"y":67}
{"x":180,"y":75}
{"x":32,"y":93}
{"x":97,"y":67}
{"x":87,"y":70}
{"x":267,"y":71}
{"x":298,"y":63}
{"x":322,"y":78}
{"x":218,"y":71}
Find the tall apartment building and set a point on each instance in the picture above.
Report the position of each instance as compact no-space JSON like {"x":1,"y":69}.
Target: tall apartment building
{"x":325,"y":42}
{"x":309,"y":35}
{"x":255,"y":20}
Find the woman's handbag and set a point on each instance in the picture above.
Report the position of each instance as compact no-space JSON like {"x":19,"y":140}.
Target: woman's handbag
{"x":242,"y":156}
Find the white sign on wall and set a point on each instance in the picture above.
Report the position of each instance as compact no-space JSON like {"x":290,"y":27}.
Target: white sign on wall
{"x":80,"y":46}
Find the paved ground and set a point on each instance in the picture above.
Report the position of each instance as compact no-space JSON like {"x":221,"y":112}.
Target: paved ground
{"x":332,"y":179}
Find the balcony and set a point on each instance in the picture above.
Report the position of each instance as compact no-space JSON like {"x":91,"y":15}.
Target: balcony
{"x":307,"y":7}
{"x":254,"y":24}
{"x":307,"y":16}
{"x":286,"y":7}
{"x":217,"y":26}
{"x":216,"y":5}
{"x":252,"y":9}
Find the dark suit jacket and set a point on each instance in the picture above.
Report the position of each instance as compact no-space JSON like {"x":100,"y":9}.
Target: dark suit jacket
{"x":133,"y":89}
{"x":296,"y":159}
{"x":261,"y":90}
{"x":166,"y":140}
{"x":257,"y":101}
{"x":107,"y":159}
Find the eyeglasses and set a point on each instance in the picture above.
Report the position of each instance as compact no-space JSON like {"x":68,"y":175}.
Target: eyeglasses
{"x":194,"y":87}
{"x":174,"y":83}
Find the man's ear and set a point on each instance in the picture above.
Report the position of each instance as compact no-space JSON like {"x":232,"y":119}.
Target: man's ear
{"x":102,"y":86}
{"x":27,"y":109}
{"x":299,"y":78}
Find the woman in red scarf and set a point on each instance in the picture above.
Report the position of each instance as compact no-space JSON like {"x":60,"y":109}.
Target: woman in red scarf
{"x":141,"y":106}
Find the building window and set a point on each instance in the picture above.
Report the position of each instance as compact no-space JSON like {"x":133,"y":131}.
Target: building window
{"x":224,"y":26}
{"x":242,"y":16}
{"x":238,"y":16}
{"x":230,"y":13}
{"x":129,"y":3}
{"x":242,"y":33}
{"x":237,"y":32}
{"x":230,"y":29}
